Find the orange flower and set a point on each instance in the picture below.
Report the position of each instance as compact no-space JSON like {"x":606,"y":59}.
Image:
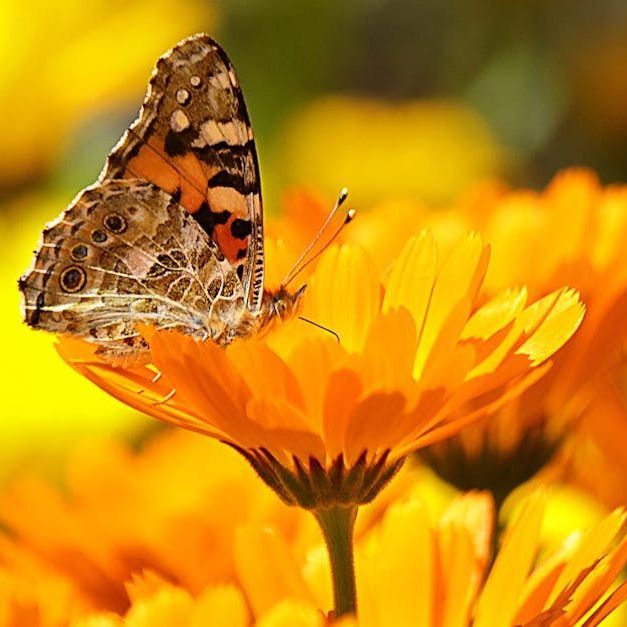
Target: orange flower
{"x":123,"y":513}
{"x":572,"y":233}
{"x":411,"y":571}
{"x":180,"y":535}
{"x":418,"y":574}
{"x":595,"y":458}
{"x":172,"y":510}
{"x":326,"y":422}
{"x":414,"y":570}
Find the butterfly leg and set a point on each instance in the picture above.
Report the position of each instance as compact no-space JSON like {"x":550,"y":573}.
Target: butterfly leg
{"x":166,"y":398}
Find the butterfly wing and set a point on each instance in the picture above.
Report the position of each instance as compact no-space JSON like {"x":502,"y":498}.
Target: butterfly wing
{"x":193,"y":139}
{"x":126,"y":252}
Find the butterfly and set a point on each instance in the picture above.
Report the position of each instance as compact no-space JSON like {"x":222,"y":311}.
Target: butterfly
{"x":171,"y":234}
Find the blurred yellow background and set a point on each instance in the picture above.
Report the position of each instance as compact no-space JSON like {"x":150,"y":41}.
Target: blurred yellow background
{"x":391,"y":98}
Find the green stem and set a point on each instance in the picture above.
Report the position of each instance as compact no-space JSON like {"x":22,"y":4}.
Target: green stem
{"x":337,"y":524}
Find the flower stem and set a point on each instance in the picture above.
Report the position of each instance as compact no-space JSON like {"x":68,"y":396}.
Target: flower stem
{"x":337,"y":524}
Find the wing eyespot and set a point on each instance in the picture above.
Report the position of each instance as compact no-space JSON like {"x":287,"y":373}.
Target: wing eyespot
{"x":115,"y":223}
{"x":98,"y":236}
{"x":72,"y":279}
{"x":79,"y":252}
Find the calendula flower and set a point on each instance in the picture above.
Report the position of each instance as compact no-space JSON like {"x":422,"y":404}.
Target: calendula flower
{"x":179,"y":534}
{"x":574,"y":232}
{"x":416,"y":573}
{"x":412,"y":350}
{"x":124,"y":513}
{"x":325,"y":423}
{"x":171,"y":510}
{"x":412,"y":570}
{"x":325,"y":145}
{"x":595,"y":458}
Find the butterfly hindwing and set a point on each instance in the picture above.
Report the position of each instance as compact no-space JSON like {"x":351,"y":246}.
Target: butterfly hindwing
{"x":126,"y":252}
{"x":193,"y":139}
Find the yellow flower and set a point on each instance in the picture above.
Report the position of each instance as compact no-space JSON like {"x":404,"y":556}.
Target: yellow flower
{"x":173,"y":510}
{"x":328,"y":423}
{"x":415,"y":571}
{"x":431,"y":149}
{"x":180,"y":535}
{"x":412,"y":570}
{"x":67,"y":59}
{"x":572,"y":233}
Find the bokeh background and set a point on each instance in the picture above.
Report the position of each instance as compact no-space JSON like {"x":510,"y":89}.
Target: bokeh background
{"x":388,"y":97}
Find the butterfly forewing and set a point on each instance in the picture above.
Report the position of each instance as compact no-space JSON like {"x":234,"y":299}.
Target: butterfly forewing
{"x":193,"y":139}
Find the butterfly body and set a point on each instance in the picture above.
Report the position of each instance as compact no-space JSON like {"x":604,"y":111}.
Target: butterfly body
{"x":172,"y":233}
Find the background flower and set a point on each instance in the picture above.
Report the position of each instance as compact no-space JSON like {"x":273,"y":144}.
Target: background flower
{"x":215,"y":546}
{"x":451,"y":147}
{"x":574,"y":233}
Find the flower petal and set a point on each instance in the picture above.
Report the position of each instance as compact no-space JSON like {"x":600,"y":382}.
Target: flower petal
{"x":498,"y":601}
{"x":344,"y":295}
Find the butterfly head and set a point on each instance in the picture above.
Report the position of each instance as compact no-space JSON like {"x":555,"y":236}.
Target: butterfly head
{"x":282,"y":305}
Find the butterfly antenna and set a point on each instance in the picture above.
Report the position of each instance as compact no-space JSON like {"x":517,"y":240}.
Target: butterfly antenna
{"x":296,"y":268}
{"x":350,"y":214}
{"x":320,"y":326}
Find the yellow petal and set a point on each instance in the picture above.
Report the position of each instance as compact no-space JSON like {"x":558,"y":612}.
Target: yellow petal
{"x":344,"y":295}
{"x":403,"y":545}
{"x":169,"y":606}
{"x":459,"y":579}
{"x":501,"y":594}
{"x":457,"y":282}
{"x":592,"y":545}
{"x":99,"y":620}
{"x":259,"y":552}
{"x":562,"y":321}
{"x":474,"y":511}
{"x":616,"y":599}
{"x":219,"y":606}
{"x":292,"y":614}
{"x":411,"y":278}
{"x":495,"y":314}
{"x":485,"y":324}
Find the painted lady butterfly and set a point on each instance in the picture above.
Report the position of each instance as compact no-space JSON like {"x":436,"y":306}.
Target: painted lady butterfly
{"x":172,"y":232}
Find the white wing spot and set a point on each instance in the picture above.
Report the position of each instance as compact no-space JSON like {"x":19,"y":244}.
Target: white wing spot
{"x":183,"y":96}
{"x":178,"y":121}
